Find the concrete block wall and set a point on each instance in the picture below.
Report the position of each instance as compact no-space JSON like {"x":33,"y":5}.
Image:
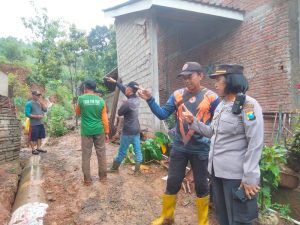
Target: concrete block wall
{"x":10,"y":132}
{"x":134,"y":57}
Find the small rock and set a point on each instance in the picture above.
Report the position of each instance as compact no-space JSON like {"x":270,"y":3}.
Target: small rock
{"x":50,"y":198}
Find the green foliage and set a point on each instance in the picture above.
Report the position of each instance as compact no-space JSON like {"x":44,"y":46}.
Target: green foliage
{"x":162,"y":138}
{"x":164,"y":141}
{"x":63,"y":94}
{"x":55,"y":120}
{"x":70,"y":56}
{"x":73,"y":49}
{"x":20,"y":92}
{"x":97,"y":39}
{"x":101,"y":57}
{"x":18,"y":88}
{"x":171,"y":121}
{"x":293,"y":144}
{"x":151,"y":150}
{"x":284,"y":210}
{"x":269,"y":167}
{"x":129,"y":158}
{"x":21,"y":116}
{"x":11,"y":50}
{"x":46,"y":51}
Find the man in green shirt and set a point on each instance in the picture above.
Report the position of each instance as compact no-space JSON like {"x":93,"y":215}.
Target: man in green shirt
{"x":94,"y":130}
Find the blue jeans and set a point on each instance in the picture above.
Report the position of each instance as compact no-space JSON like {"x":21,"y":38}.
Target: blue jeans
{"x":126,"y":140}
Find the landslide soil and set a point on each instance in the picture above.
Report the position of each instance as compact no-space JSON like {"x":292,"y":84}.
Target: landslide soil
{"x":122,"y":199}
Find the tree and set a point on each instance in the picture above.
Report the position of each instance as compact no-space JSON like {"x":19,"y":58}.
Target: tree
{"x":46,"y":32}
{"x":102,"y":55}
{"x":11,"y":49}
{"x":73,"y":50}
{"x":98,"y":38}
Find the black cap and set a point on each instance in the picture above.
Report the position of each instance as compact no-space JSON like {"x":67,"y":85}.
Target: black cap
{"x":190,"y":67}
{"x":134,"y":85}
{"x":224,"y":69}
{"x":36,"y":93}
{"x":90,"y":84}
{"x":99,"y":92}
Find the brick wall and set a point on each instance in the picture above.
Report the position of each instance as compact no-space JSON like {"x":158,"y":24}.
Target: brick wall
{"x":262,"y":43}
{"x":10,"y":132}
{"x":266,"y":43}
{"x":134,"y":57}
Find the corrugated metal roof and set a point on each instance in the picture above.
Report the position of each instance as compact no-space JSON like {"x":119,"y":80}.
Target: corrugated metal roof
{"x":213,"y":3}
{"x":206,"y":2}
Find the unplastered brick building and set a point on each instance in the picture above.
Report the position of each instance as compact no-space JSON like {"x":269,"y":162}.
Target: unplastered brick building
{"x":10,"y":127}
{"x":156,"y":37}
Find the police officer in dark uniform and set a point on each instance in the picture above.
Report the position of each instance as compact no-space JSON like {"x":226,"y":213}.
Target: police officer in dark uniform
{"x":236,"y":133}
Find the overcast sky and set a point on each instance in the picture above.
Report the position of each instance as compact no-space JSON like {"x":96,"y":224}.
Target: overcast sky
{"x":85,"y":14}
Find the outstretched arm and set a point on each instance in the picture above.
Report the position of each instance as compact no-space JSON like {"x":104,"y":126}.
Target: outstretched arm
{"x":119,"y":85}
{"x":161,"y":112}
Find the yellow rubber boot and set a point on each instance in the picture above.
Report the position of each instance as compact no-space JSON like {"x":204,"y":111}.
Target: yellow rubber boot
{"x":202,"y":209}
{"x":168,"y":208}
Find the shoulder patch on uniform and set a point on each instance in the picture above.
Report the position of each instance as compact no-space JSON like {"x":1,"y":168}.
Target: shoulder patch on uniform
{"x":250,"y":115}
{"x":248,"y":106}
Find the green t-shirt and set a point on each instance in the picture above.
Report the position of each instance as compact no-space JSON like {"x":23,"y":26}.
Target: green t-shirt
{"x":91,"y":107}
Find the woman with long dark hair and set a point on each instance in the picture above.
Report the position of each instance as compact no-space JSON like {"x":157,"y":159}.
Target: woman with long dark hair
{"x":236,"y":134}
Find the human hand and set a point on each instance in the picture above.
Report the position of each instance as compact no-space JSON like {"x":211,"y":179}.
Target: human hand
{"x":37,"y":116}
{"x":106,"y":137}
{"x":41,"y":116}
{"x":144,"y":94}
{"x":110,"y":79}
{"x":250,"y":189}
{"x":187,"y":115}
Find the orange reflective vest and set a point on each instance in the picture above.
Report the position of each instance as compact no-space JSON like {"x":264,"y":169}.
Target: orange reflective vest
{"x":202,"y":109}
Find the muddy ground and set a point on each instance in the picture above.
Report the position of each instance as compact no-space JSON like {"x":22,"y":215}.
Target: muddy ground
{"x":9,"y":177}
{"x":122,"y":199}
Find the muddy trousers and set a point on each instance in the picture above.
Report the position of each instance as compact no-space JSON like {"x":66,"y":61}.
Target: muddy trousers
{"x":87,"y":143}
{"x":229,"y":210}
{"x":177,"y":168}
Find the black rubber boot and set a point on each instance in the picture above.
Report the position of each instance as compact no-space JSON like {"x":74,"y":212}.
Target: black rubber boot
{"x":115,"y":167}
{"x":137,"y":170}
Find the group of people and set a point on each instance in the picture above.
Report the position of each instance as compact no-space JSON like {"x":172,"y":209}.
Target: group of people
{"x":220,"y":134}
{"x":95,"y":128}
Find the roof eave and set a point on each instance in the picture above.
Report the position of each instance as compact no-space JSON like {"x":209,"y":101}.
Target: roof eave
{"x":139,"y":5}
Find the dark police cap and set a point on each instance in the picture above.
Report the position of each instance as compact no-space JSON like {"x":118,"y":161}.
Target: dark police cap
{"x":36,"y":93}
{"x":90,"y":84}
{"x":224,"y":69}
{"x":189,"y":68}
{"x":134,"y":85}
